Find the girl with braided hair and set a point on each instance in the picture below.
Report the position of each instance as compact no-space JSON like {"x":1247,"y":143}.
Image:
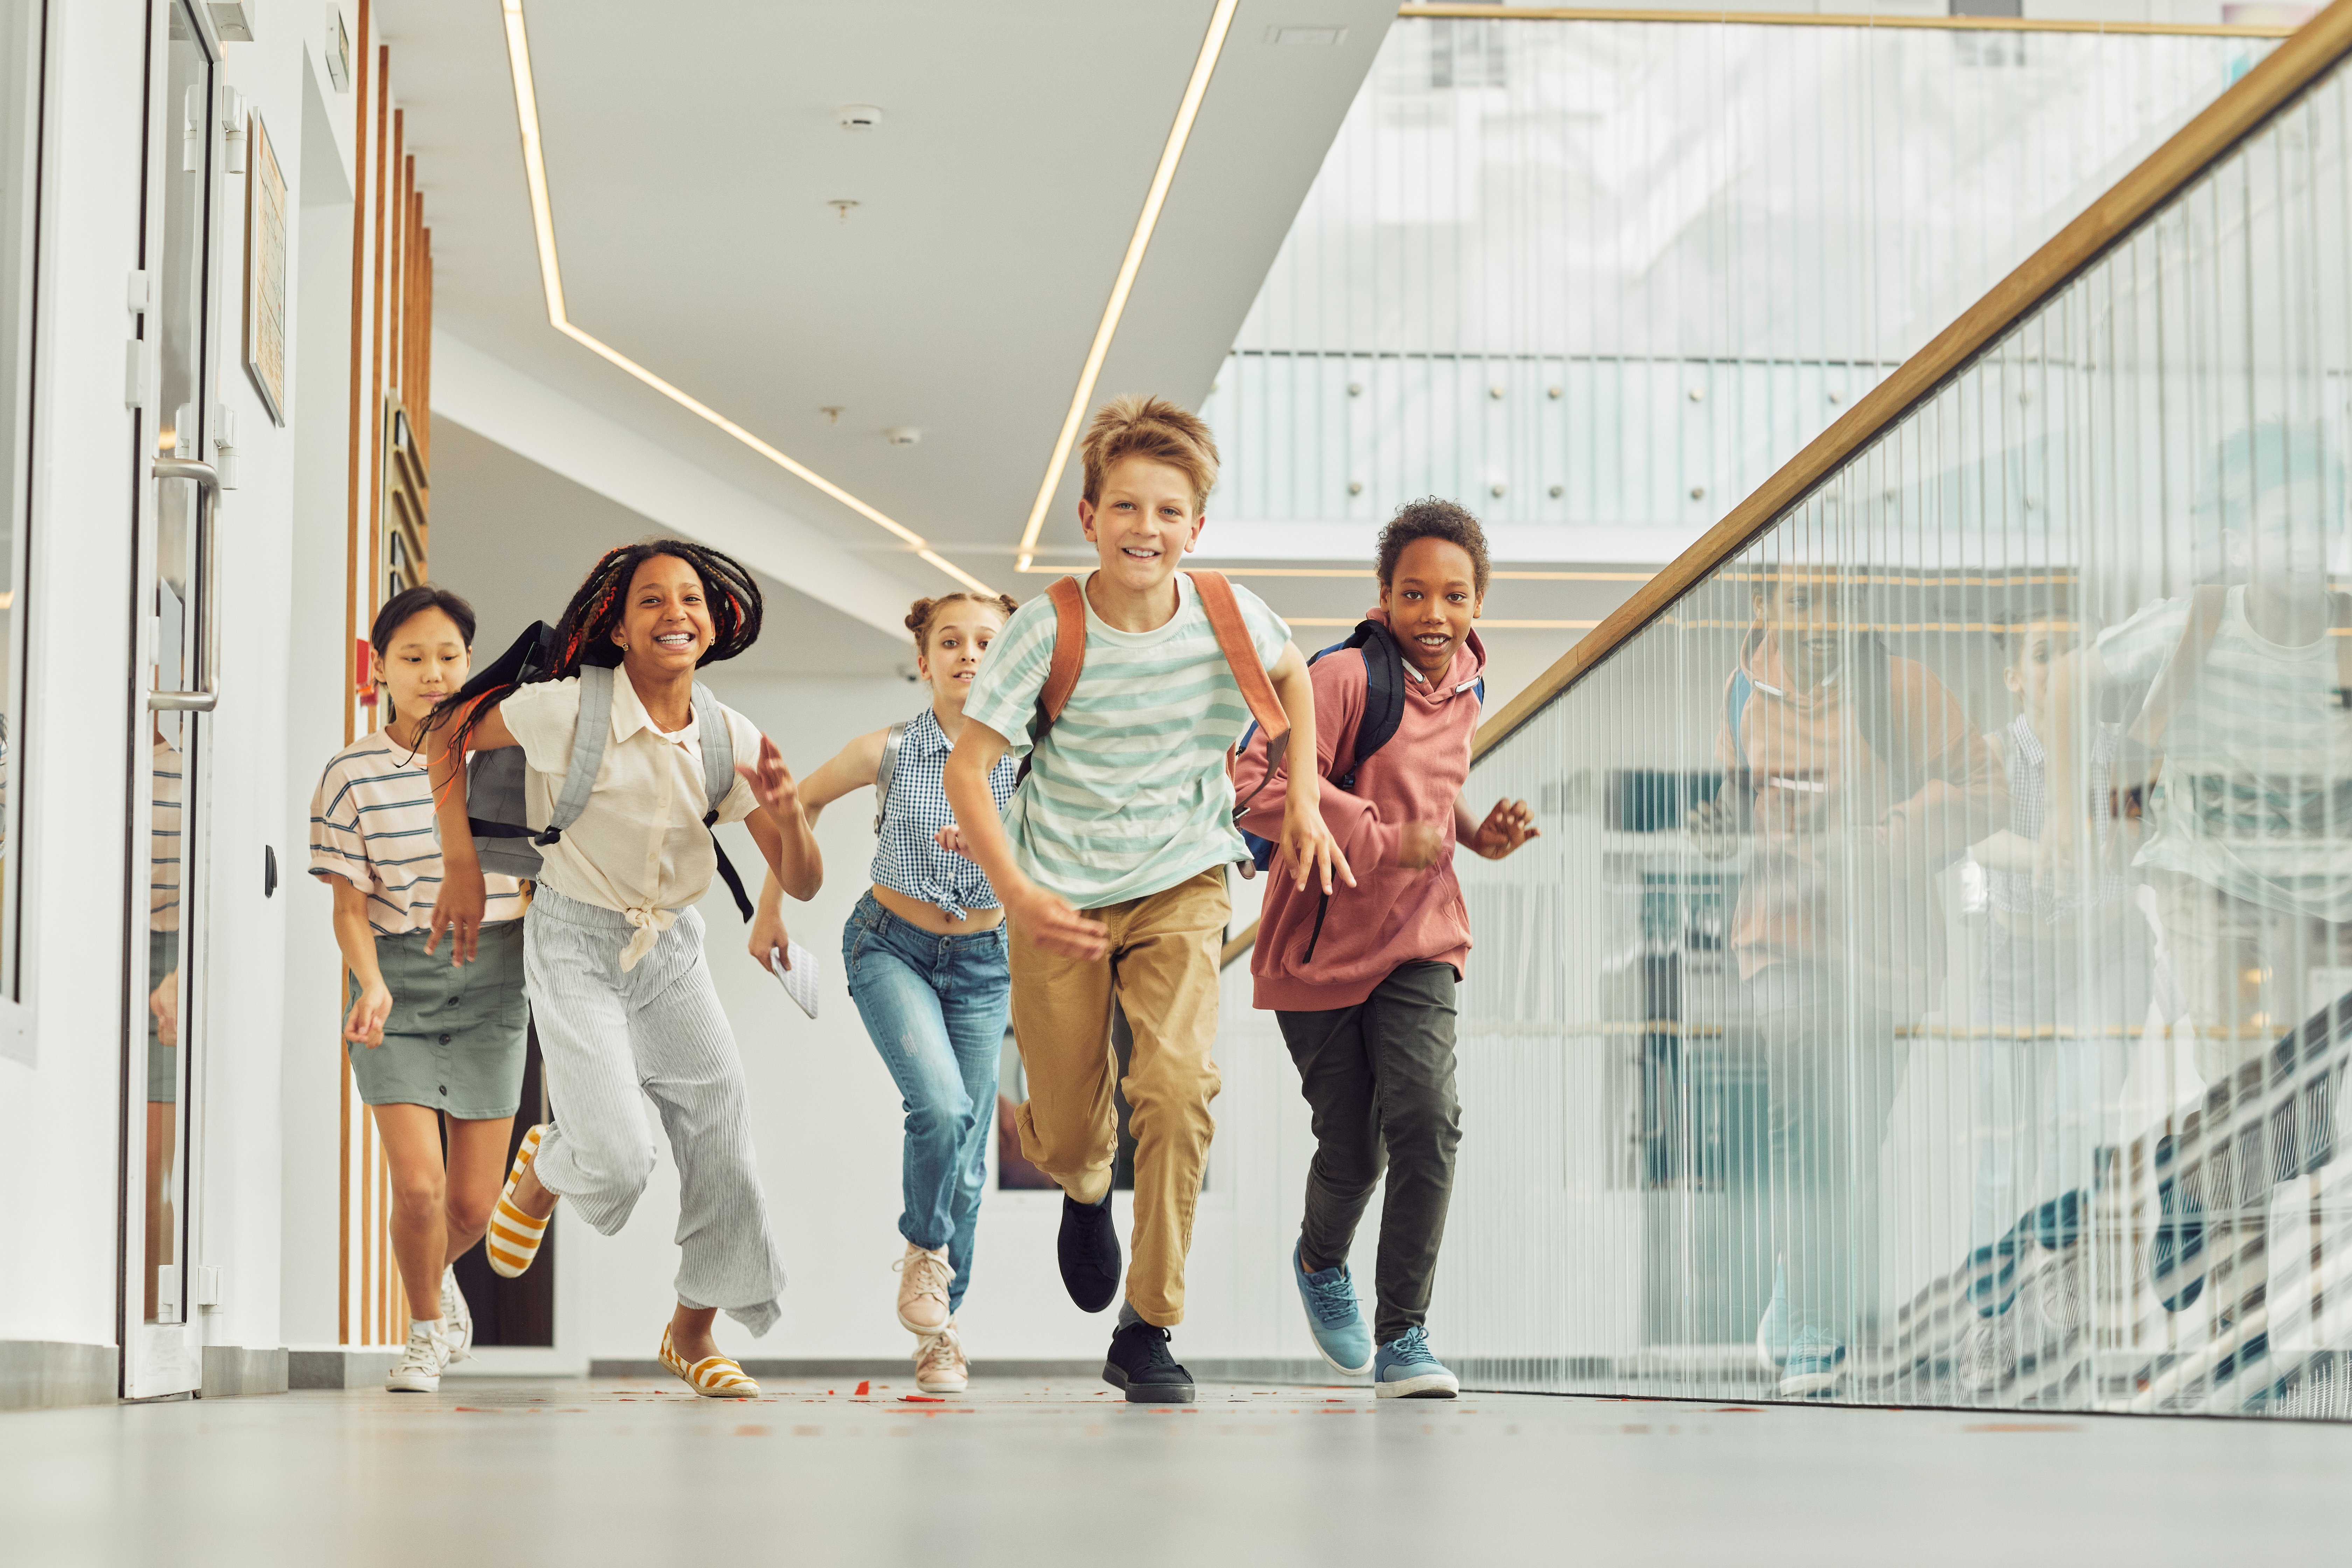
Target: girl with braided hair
{"x":924,"y":954}
{"x":612,"y":945}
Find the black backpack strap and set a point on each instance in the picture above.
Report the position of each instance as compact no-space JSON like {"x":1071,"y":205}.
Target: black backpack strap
{"x":718,"y":743}
{"x":1383,"y":698}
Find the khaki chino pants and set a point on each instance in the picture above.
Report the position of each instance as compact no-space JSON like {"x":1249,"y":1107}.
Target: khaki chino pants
{"x":1161,"y":969}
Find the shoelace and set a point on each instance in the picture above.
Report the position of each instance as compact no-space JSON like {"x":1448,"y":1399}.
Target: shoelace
{"x":941,"y":1351}
{"x":1412,"y":1348}
{"x":929,"y":1276}
{"x":1333,"y":1302}
{"x":420,"y":1356}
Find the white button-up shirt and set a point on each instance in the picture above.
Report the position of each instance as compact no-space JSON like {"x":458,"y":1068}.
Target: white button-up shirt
{"x":640,"y":846}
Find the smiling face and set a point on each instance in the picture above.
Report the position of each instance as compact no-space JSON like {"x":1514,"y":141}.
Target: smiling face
{"x":1141,"y":524}
{"x":960,"y":632}
{"x":1431,"y":602}
{"x":665,"y":622}
{"x":1806,"y":612}
{"x":424,"y":660}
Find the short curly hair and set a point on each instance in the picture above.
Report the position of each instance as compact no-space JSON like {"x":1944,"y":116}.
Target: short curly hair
{"x":1430,"y":518}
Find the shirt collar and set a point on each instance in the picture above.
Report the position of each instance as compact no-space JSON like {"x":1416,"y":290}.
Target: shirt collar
{"x":629,"y":714}
{"x":924,"y":735}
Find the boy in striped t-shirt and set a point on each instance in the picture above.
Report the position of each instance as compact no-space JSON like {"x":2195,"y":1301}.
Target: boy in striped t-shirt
{"x":1127,"y":814}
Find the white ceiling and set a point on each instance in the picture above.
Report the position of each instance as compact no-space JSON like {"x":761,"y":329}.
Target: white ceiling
{"x":691,"y":152}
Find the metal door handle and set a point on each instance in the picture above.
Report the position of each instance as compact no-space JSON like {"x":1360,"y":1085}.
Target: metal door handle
{"x":207,"y":690}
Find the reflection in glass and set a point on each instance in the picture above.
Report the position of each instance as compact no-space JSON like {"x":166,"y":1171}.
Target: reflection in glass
{"x":1934,"y":984}
{"x":177,"y":321}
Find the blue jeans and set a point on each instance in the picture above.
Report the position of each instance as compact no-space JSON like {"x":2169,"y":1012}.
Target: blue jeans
{"x":935,"y":1008}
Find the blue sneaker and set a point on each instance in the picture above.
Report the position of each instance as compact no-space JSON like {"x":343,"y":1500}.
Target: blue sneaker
{"x":1332,"y":1316}
{"x":1405,"y":1369}
{"x":1814,"y":1367}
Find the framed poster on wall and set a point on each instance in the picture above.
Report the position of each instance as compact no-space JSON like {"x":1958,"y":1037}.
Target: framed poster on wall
{"x":265,"y":271}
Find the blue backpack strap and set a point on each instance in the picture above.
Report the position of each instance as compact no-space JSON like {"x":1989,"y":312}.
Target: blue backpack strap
{"x":588,"y":738}
{"x":717,"y":744}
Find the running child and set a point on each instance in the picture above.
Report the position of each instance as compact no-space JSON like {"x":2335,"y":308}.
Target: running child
{"x":1127,"y":816}
{"x":433,"y":1044}
{"x":1362,"y":981}
{"x":924,"y":953}
{"x":612,"y":945}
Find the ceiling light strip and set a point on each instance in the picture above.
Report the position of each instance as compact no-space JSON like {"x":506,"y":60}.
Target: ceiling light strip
{"x":1219,"y":23}
{"x":550,"y":274}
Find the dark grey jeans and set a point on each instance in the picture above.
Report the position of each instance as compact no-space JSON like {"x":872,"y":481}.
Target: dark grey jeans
{"x":1380,"y":1079}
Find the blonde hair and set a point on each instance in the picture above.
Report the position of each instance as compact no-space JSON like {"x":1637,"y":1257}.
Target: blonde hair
{"x":921,"y":613}
{"x":1153,"y":427}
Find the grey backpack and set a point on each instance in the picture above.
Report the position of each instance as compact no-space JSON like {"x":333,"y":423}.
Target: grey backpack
{"x":892,"y":744}
{"x":503,"y":838}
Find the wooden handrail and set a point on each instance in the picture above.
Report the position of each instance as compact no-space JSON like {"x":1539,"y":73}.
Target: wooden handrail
{"x":1488,"y":13}
{"x":2310,"y":51}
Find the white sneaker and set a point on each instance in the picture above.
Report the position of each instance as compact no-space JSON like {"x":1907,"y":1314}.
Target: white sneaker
{"x":1986,"y":1358}
{"x":418,"y":1370}
{"x":923,"y":1280}
{"x":940,"y":1363}
{"x":458,"y":1319}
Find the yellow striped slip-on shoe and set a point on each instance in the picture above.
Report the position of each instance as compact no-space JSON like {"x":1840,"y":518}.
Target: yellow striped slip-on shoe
{"x":514,"y":1236}
{"x":713,"y":1377}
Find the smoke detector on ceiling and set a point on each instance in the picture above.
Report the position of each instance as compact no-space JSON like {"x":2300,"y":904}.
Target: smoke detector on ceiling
{"x":857,"y":116}
{"x":903,"y":435}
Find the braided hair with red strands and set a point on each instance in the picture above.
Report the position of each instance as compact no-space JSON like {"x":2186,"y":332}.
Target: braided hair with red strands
{"x":583,"y":635}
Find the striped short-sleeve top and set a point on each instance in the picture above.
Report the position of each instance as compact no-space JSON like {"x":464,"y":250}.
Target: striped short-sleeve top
{"x":1126,"y":794}
{"x":372,"y":824}
{"x":907,"y":856}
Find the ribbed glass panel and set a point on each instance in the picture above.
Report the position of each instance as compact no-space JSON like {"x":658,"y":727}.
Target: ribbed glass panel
{"x":1597,"y":279}
{"x":1935,"y":983}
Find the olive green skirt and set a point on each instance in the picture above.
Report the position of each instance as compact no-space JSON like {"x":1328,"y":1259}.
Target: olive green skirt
{"x":455,"y":1041}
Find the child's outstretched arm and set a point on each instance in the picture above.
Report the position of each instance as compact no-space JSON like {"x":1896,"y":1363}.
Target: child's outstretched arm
{"x":458,"y":910}
{"x":1043,"y":919}
{"x":1305,"y":842}
{"x":779,"y":828}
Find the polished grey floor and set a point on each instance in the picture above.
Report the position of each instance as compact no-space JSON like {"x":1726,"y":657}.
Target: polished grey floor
{"x":641,"y":1472}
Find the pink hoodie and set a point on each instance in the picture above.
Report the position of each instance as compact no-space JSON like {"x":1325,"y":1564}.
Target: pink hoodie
{"x":1391,"y":916}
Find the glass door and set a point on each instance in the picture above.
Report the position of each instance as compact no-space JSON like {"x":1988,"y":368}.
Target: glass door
{"x":178,"y":658}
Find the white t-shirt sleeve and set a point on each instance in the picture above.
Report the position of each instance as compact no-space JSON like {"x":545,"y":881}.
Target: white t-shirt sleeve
{"x":1269,"y":631}
{"x":744,"y":736}
{"x":542,"y":718}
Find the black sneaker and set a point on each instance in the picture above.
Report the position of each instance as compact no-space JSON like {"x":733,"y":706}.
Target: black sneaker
{"x":1089,"y":1249}
{"x":1139,"y":1362}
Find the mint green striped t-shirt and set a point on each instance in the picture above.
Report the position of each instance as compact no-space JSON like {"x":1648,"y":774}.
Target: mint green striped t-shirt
{"x":1128,"y":794}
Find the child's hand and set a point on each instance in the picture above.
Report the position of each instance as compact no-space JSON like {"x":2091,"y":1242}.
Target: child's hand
{"x":771,"y":782}
{"x":769,"y":936}
{"x":1712,"y":828}
{"x":950,"y":839}
{"x":163,"y":1002}
{"x":1307,"y":843}
{"x":365,"y":1026}
{"x":458,"y":910}
{"x":1508,"y":827}
{"x":1053,"y":925}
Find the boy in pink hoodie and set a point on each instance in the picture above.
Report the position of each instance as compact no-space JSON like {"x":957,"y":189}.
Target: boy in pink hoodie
{"x":1362,"y":981}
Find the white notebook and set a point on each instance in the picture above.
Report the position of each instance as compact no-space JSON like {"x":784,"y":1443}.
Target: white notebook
{"x":799,"y":980}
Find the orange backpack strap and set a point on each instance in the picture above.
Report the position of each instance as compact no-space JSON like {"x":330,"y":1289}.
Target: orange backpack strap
{"x":1069,"y":652}
{"x":1225,"y":614}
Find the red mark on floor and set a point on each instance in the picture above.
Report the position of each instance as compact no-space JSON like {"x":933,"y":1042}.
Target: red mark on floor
{"x":919,"y":1399}
{"x":750,"y":1431}
{"x":866,"y":1388}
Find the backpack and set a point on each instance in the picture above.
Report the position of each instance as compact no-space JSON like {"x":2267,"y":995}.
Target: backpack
{"x":1384,"y":687}
{"x":1873,"y":714}
{"x":887,"y":770}
{"x":1224,"y":612}
{"x":503,"y":838}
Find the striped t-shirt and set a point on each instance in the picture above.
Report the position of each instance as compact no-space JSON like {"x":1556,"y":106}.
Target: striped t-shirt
{"x":372,"y":824}
{"x":1127,"y":794}
{"x":2255,"y":795}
